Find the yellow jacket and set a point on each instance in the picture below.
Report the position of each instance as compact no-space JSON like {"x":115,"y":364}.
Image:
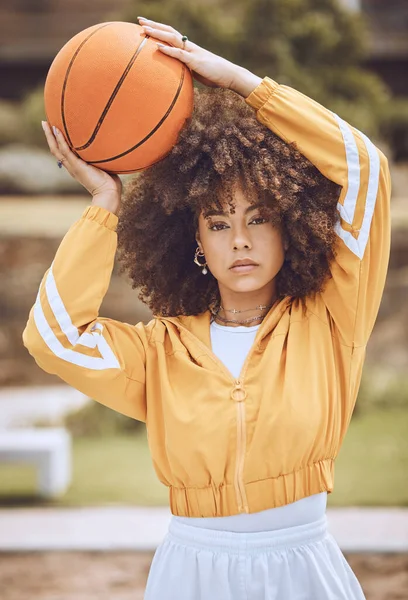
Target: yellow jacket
{"x":222,"y":445}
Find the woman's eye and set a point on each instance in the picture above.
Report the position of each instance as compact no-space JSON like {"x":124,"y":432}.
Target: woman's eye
{"x":217,"y":226}
{"x":259,"y":220}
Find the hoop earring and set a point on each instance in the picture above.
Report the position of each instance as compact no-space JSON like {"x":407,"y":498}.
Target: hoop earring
{"x":197,"y":254}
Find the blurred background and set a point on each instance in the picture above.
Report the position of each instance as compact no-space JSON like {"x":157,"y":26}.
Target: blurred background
{"x":350,"y":55}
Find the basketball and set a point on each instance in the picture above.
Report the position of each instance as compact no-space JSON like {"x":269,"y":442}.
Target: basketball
{"x":118,"y":100}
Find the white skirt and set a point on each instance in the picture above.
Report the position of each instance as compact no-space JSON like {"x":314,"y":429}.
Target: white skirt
{"x":302,"y":562}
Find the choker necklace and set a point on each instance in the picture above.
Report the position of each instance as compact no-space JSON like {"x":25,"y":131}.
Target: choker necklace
{"x":234,"y":310}
{"x":239,"y":322}
{"x":250,"y":320}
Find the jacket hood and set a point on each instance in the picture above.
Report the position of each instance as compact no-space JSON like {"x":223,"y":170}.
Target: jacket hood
{"x":199,"y":325}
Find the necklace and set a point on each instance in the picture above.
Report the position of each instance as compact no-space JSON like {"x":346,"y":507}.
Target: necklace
{"x":216,"y":315}
{"x":234,"y":310}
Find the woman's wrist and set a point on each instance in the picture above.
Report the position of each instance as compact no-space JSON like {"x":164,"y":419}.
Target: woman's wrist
{"x":243,"y":81}
{"x":110,"y":202}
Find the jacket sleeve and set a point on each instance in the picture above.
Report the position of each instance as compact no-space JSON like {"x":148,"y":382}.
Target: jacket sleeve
{"x":346,"y":156}
{"x":102,"y":358}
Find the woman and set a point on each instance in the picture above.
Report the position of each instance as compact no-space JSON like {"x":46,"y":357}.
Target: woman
{"x":261,"y":244}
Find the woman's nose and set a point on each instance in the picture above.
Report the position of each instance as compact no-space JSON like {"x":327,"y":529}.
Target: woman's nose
{"x":241,"y":238}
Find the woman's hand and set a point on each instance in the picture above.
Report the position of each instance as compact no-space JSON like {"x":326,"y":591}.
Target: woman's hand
{"x":207,"y":68}
{"x":98,"y":183}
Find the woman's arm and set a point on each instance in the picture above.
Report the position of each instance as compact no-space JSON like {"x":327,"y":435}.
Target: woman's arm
{"x":243,"y":81}
{"x":346,"y":156}
{"x":102,"y":358}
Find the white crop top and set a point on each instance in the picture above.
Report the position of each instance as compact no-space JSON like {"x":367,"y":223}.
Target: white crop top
{"x":231,"y":345}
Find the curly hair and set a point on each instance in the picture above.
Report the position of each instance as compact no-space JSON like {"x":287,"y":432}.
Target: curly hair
{"x":223,"y":143}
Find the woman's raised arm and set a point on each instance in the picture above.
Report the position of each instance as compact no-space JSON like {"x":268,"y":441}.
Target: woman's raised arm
{"x":346,"y":156}
{"x":101,"y":357}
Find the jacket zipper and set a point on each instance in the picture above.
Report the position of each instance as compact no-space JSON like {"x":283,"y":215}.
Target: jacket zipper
{"x":238,"y":394}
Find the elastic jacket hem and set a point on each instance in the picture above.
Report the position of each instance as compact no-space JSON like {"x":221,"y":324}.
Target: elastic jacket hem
{"x":220,"y":500}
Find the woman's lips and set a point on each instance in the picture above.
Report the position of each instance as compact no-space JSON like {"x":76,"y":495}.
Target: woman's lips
{"x":244,"y":268}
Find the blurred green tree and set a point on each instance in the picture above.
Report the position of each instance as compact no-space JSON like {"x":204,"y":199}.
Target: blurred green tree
{"x":315,"y":46}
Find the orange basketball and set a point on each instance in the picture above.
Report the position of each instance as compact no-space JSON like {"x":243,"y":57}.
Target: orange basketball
{"x":119,"y":101}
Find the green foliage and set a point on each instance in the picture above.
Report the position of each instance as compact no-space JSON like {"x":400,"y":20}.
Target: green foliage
{"x":380,"y":390}
{"x":394,"y":127}
{"x":372,"y":463}
{"x":315,"y":46}
{"x":20,"y":121}
{"x":11,"y":129}
{"x":97,"y":420}
{"x":32,"y":113}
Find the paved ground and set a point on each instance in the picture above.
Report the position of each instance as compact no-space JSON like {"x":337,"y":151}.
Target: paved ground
{"x":123,"y":575}
{"x":138,"y":528}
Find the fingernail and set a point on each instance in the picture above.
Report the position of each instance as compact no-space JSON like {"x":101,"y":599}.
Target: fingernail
{"x":55,"y":130}
{"x":143,"y":18}
{"x":43,"y":125}
{"x":160,"y":45}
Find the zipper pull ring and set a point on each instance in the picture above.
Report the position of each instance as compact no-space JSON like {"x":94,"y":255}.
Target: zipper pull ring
{"x":238,"y":393}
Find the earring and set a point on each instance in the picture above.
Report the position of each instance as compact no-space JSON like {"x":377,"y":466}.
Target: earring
{"x":197,"y":254}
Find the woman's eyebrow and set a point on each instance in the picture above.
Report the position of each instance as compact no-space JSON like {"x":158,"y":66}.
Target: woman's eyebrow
{"x":217,"y":213}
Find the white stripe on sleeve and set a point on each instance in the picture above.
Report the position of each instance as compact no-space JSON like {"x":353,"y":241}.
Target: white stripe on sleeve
{"x":347,"y":210}
{"x":95,"y":339}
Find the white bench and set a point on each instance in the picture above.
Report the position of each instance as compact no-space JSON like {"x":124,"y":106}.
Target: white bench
{"x":49,"y":449}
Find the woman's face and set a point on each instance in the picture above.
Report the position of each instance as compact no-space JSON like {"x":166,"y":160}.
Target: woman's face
{"x":224,"y":238}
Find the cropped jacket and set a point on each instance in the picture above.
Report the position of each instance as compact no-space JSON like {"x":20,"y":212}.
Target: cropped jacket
{"x":225,"y":445}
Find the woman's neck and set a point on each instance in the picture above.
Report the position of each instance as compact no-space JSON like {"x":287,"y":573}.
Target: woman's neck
{"x":251,"y":307}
